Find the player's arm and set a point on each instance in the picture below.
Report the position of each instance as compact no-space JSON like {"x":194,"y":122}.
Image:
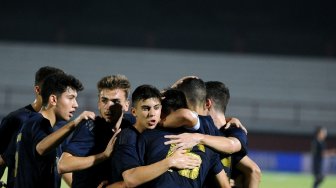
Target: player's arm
{"x":179,"y":118}
{"x":119,"y":184}
{"x":135,"y":176}
{"x":67,"y":177}
{"x":234,"y":122}
{"x":251,"y":171}
{"x":222,"y":180}
{"x":2,"y":162}
{"x":219,"y":143}
{"x":51,"y":141}
{"x":70,"y":163}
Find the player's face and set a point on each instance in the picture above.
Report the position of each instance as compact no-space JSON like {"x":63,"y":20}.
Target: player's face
{"x":66,"y":104}
{"x":108,"y":97}
{"x":147,"y":113}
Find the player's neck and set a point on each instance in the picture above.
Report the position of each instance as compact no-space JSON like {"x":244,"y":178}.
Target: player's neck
{"x":139,"y":127}
{"x":218,"y":118}
{"x":49,"y":114}
{"x":200,"y":110}
{"x":37,"y":105}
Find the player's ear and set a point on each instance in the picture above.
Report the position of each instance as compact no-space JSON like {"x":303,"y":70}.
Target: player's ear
{"x":133,"y":111}
{"x":127,"y":104}
{"x":53,"y":99}
{"x":37,"y":90}
{"x":208,"y":103}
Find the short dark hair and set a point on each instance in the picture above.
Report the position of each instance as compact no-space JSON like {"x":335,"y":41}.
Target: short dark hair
{"x":194,"y":91}
{"x":173,"y":100}
{"x":144,"y":92}
{"x":219,"y":93}
{"x":57,"y":84}
{"x":44,"y":72}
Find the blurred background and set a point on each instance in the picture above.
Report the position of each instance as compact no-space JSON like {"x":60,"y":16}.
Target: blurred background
{"x":278,"y":59}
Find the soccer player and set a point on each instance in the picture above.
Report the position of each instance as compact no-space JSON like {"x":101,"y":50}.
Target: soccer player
{"x":233,"y":140}
{"x":36,"y":141}
{"x":153,"y":157}
{"x":319,"y":151}
{"x":11,"y":124}
{"x":174,"y":101}
{"x":238,"y":163}
{"x":90,"y":146}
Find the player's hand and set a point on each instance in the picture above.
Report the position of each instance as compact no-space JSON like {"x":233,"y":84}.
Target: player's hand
{"x":109,"y":148}
{"x":84,"y":116}
{"x":103,"y":184}
{"x":184,"y":140}
{"x":181,"y":159}
{"x":236,"y":123}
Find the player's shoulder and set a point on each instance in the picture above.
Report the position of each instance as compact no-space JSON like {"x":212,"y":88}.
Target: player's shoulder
{"x":21,"y":113}
{"x":234,"y":130}
{"x":128,"y":135}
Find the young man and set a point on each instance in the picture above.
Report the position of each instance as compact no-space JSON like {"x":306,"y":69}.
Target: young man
{"x":233,"y":140}
{"x":238,"y":163}
{"x":11,"y":124}
{"x":36,"y":141}
{"x":319,"y":151}
{"x":174,"y":101}
{"x":146,"y":163}
{"x":195,"y":91}
{"x":89,"y":148}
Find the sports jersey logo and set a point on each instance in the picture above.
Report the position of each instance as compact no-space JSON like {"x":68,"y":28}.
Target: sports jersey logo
{"x":188,"y":173}
{"x":226,"y":162}
{"x":18,"y":140}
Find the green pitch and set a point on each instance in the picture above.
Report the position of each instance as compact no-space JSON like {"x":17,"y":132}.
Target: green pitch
{"x":282,"y":180}
{"x":293,"y":180}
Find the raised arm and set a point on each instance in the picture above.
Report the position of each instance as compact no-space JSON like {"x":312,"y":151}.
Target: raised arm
{"x":70,"y":163}
{"x":219,"y":143}
{"x":234,"y":122}
{"x":51,"y":141}
{"x":181,"y":117}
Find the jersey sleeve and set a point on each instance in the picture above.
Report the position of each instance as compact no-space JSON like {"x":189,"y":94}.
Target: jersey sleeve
{"x":39,"y":130}
{"x":82,"y":140}
{"x":242,"y":137}
{"x":6,"y":131}
{"x":217,"y":166}
{"x":126,"y":154}
{"x":197,"y":125}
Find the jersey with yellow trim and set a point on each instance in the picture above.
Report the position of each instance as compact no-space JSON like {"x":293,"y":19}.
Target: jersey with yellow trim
{"x":152,"y":149}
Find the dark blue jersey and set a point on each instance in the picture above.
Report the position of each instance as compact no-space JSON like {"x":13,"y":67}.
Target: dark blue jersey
{"x":152,"y":148}
{"x":232,"y":160}
{"x":125,"y":154}
{"x":33,"y":170}
{"x":207,"y":126}
{"x":90,"y":138}
{"x":10,"y":125}
{"x":59,"y":151}
{"x":317,"y":156}
{"x":229,"y":161}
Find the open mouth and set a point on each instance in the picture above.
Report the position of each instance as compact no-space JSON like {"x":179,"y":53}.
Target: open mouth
{"x":152,"y":122}
{"x":71,"y":114}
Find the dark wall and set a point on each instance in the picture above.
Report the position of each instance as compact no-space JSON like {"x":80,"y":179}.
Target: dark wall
{"x":284,"y":142}
{"x":268,"y":27}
